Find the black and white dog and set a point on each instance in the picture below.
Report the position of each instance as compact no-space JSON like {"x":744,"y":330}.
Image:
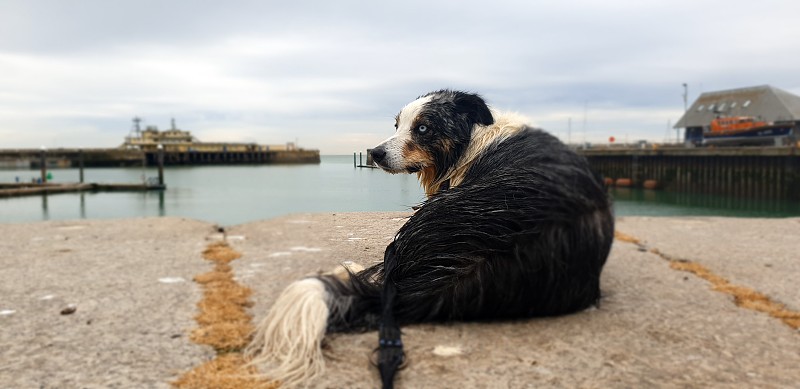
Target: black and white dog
{"x":515,"y":225}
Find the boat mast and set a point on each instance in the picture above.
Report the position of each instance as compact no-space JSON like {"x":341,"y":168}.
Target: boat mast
{"x":136,"y":128}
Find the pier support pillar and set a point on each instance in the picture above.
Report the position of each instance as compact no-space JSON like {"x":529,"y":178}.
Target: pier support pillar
{"x":80,"y":164}
{"x":792,"y":177}
{"x":43,"y":164}
{"x":160,"y":165}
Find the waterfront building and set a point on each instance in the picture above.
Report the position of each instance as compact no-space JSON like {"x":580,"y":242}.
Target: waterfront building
{"x":760,"y":115}
{"x":177,"y":140}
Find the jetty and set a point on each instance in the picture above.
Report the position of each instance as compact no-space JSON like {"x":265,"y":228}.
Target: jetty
{"x":767,"y":173}
{"x":142,"y":146}
{"x":32,"y":189}
{"x":41,"y":186}
{"x":751,"y":172}
{"x":370,"y":164}
{"x":114,"y":157}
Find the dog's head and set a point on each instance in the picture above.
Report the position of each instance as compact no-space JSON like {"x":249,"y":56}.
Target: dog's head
{"x":432,"y":133}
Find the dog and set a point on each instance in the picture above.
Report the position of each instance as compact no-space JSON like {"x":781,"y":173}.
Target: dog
{"x":515,"y":225}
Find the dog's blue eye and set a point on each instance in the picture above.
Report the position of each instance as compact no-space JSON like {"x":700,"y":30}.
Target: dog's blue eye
{"x":422,"y":129}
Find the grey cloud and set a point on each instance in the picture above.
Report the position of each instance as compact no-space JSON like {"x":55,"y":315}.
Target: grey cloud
{"x":313,"y":69}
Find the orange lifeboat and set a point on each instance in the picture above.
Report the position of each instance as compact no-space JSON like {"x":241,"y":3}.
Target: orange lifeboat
{"x":735,"y":124}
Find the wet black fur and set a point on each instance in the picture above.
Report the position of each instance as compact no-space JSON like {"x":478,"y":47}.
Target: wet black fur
{"x":525,"y":234}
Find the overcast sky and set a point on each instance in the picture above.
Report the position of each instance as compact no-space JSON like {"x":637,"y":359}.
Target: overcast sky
{"x":332,"y":74}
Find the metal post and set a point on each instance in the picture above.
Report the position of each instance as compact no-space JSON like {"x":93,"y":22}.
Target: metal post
{"x":80,"y":163}
{"x":45,"y":209}
{"x":83,"y":205}
{"x":161,"y":165}
{"x":161,"y":209}
{"x":43,"y":163}
{"x":685,"y":108}
{"x":685,"y":97}
{"x":354,"y":159}
{"x":359,"y":159}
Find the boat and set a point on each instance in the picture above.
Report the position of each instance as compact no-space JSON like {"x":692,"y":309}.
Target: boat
{"x":746,"y":130}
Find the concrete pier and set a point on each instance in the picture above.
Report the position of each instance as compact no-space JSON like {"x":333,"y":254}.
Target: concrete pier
{"x":767,"y":173}
{"x":130,"y":282}
{"x":29,"y":158}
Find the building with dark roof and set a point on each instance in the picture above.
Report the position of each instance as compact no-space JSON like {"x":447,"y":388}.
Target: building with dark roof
{"x":764,"y":103}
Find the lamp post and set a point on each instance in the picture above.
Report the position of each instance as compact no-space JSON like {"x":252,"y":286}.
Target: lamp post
{"x":685,"y":109}
{"x":685,"y":97}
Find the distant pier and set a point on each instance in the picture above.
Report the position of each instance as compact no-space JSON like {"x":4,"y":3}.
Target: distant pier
{"x":236,"y":158}
{"x":764,"y":173}
{"x":66,"y":158}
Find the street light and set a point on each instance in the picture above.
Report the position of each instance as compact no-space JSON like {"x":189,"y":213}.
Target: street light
{"x":685,"y":109}
{"x":685,"y":97}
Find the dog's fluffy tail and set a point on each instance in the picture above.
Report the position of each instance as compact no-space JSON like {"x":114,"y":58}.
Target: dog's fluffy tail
{"x":287,"y":344}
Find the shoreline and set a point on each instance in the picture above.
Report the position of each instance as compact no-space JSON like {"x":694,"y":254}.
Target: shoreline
{"x":130,"y":282}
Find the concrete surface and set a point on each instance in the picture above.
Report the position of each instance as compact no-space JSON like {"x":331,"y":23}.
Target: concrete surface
{"x":655,"y":327}
{"x":130,"y":282}
{"x":763,"y":254}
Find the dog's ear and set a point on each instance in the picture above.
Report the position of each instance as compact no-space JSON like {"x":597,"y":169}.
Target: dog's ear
{"x":474,"y":108}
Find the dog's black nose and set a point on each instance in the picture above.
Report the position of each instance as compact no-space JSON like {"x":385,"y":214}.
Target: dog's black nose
{"x":378,"y":154}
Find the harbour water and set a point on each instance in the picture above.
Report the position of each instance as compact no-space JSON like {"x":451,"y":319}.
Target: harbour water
{"x":230,"y":195}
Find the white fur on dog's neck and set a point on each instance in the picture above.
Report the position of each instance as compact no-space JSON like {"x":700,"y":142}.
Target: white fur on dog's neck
{"x":505,"y":125}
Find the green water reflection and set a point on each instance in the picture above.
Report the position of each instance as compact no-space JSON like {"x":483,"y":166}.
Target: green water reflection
{"x":643,"y":202}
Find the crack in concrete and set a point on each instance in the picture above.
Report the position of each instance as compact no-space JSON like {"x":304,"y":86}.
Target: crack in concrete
{"x":743,"y":296}
{"x":224,"y":325}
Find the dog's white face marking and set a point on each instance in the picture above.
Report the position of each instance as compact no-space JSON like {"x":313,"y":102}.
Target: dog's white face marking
{"x":395,"y":162}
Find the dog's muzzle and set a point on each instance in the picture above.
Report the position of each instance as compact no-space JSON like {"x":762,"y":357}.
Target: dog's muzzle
{"x":379,"y":156}
{"x":384,"y":160}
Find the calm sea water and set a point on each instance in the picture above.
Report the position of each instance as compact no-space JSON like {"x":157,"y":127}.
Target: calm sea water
{"x":237,"y":194}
